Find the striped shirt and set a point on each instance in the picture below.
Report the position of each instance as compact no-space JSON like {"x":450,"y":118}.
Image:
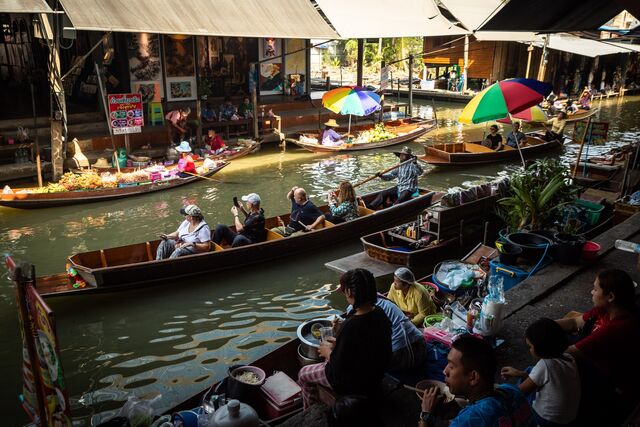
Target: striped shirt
{"x":407,"y":175}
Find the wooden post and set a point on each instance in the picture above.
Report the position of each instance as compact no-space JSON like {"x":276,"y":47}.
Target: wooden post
{"x":35,"y":130}
{"x":359,"y":62}
{"x":127,"y":145}
{"x":254,"y":100}
{"x":410,"y":85}
{"x":466,"y":64}
{"x":541,"y":69}
{"x":199,"y":117}
{"x":382,"y":66}
{"x":530,"y":51}
{"x":57,"y":162}
{"x":435,"y":113}
{"x":584,"y":135}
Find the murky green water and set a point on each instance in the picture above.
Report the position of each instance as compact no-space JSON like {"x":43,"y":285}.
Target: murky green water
{"x":175,"y":338}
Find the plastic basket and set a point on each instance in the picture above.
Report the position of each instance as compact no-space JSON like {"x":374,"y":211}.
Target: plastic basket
{"x":592,"y":210}
{"x":512,"y":275}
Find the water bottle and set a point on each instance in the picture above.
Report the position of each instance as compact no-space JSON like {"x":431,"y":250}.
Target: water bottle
{"x":624,"y":245}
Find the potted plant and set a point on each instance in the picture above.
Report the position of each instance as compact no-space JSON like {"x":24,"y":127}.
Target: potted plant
{"x":569,"y":242}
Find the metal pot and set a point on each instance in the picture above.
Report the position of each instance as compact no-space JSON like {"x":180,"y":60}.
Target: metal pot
{"x":308,"y":343}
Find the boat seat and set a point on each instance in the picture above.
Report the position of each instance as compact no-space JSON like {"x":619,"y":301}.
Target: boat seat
{"x":477,"y":148}
{"x":364,"y":211}
{"x":272,"y":235}
{"x":507,"y":148}
{"x":215,"y":247}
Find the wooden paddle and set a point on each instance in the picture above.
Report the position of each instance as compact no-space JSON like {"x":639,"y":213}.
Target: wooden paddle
{"x":204,"y":177}
{"x":383,"y":172}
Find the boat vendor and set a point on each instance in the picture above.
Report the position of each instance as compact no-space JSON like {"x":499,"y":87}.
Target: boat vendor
{"x":305,"y":216}
{"x":215,"y":143}
{"x":356,"y":360}
{"x":192,"y":236}
{"x":585,"y":99}
{"x":516,"y":135}
{"x":177,"y":122}
{"x":344,"y":206}
{"x":186,"y":166}
{"x":557,"y":127}
{"x":494,"y":139}
{"x":330,"y":137}
{"x":407,"y":175}
{"x":607,"y":351}
{"x":250,"y":231}
{"x":470,"y":373}
{"x":411,"y":297}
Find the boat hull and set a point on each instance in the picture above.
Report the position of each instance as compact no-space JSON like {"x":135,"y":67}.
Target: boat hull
{"x":581,"y":115}
{"x":423,"y":126}
{"x":50,"y":200}
{"x":393,"y":251}
{"x":455,"y":154}
{"x":135,"y":264}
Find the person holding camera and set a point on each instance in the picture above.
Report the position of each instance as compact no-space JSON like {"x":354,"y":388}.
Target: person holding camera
{"x":407,"y":174}
{"x":192,"y":236}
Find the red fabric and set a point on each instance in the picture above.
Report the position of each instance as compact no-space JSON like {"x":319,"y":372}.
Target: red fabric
{"x":613,"y":347}
{"x":216,"y":142}
{"x":308,"y":377}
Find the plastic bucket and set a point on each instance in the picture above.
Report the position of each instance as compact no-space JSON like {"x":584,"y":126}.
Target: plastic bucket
{"x":568,"y":248}
{"x":509,"y":252}
{"x":590,"y":251}
{"x":533,"y":245}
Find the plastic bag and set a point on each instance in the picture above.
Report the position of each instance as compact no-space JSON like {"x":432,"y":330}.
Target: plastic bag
{"x":7,"y":190}
{"x":139,"y":412}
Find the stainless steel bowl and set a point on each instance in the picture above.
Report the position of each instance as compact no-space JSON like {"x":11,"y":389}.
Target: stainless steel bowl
{"x":308,"y":343}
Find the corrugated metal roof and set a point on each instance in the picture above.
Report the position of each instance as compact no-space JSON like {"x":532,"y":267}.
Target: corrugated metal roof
{"x":245,"y":18}
{"x":24,"y":6}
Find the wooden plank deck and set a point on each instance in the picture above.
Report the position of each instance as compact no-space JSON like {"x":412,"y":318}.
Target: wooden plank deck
{"x":362,"y":260}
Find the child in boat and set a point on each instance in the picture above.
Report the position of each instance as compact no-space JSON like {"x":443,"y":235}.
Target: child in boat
{"x":554,"y":381}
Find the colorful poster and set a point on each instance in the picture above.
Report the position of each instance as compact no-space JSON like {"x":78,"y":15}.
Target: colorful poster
{"x":181,"y":88}
{"x":596,"y":134}
{"x":150,"y":91}
{"x":126,"y":113}
{"x":270,"y":48}
{"x":271,"y":78}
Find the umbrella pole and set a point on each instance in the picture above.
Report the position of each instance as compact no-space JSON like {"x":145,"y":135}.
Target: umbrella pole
{"x":349,"y":131}
{"x":517,"y":143}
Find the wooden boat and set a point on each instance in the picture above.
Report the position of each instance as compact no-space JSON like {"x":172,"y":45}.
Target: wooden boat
{"x":473,"y":153}
{"x":127,"y":266}
{"x":581,"y":115}
{"x":406,"y":129}
{"x":593,"y":174}
{"x":393,"y":248}
{"x":48,"y":200}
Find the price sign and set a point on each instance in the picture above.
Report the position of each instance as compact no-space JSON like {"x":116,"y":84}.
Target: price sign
{"x":126,"y":113}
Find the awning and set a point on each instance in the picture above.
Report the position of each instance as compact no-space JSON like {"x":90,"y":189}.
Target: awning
{"x":553,"y":16}
{"x":507,"y":36}
{"x":585,"y":47}
{"x":24,"y":6}
{"x":246,"y":18}
{"x":376,"y":19}
{"x":472,"y":14}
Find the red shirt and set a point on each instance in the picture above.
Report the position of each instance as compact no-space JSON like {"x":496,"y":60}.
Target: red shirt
{"x":614,"y":348}
{"x":216,"y":142}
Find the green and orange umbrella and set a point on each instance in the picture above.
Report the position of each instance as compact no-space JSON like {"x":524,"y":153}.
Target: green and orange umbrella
{"x":510,"y":96}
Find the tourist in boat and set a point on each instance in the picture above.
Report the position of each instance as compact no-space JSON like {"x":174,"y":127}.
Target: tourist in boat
{"x":177,"y":122}
{"x":572,"y":106}
{"x":407,"y":176}
{"x":411,"y":297}
{"x":356,"y":360}
{"x":343,"y":206}
{"x":557,"y":127}
{"x":470,"y":373}
{"x":246,"y":108}
{"x":585,"y":99}
{"x":330,"y":137}
{"x":227,"y":109}
{"x":251,"y":230}
{"x":494,"y":139}
{"x":305,"y":216}
{"x":186,"y":166}
{"x":192,"y":236}
{"x":553,"y":384}
{"x":516,"y":137}
{"x":608,"y":351}
{"x":214,"y":142}
{"x":207,"y":114}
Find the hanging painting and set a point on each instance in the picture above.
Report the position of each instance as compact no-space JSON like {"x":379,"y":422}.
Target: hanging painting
{"x":145,"y":66}
{"x":178,"y":56}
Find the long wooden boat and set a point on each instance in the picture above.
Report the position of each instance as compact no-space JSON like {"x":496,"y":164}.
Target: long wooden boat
{"x":127,"y":266}
{"x":473,"y":153}
{"x":581,"y":115}
{"x":406,"y":130}
{"x":27,"y":200}
{"x":593,"y":174}
{"x":392,"y":248}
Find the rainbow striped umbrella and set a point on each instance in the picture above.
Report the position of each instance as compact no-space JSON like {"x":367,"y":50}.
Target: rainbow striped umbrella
{"x":351,"y":100}
{"x":503,"y":98}
{"x":533,"y":114}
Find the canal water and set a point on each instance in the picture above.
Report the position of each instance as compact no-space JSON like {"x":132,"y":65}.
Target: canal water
{"x":174,"y":339}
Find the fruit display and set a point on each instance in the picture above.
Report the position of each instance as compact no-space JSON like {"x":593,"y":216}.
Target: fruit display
{"x":377,"y":134}
{"x":92,"y":181}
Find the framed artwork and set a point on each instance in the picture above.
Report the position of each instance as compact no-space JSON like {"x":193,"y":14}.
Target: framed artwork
{"x":181,"y":88}
{"x":150,"y":91}
{"x":269,"y":48}
{"x":179,"y":60}
{"x":271,"y":82}
{"x":143,"y":51}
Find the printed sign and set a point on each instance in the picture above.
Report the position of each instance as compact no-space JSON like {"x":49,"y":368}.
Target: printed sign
{"x":126,"y":113}
{"x":384,"y":78}
{"x":596,"y":134}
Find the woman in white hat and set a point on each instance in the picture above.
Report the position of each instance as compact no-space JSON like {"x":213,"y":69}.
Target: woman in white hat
{"x":330,"y":137}
{"x":192,"y":236}
{"x":186,"y":166}
{"x":412,"y":298}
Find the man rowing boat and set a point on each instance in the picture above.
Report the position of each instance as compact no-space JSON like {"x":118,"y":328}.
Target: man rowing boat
{"x":407,"y":175}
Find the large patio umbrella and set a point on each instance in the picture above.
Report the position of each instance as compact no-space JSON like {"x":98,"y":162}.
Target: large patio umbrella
{"x":504,"y":98}
{"x":351,"y":100}
{"x":533,"y":114}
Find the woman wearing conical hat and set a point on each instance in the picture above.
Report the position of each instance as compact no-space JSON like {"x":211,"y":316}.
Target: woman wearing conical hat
{"x":330,"y":137}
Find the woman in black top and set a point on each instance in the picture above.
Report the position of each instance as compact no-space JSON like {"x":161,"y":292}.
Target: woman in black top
{"x":494,"y":139}
{"x":356,"y":360}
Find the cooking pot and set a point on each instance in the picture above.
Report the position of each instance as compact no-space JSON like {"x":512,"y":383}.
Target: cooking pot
{"x":308,"y":343}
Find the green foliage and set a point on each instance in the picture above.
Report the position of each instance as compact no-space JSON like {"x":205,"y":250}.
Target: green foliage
{"x":537,"y":192}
